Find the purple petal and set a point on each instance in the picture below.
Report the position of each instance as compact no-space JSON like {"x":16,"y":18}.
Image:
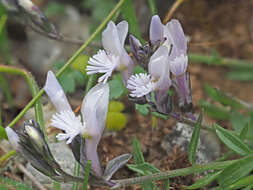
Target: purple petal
{"x":176,"y":36}
{"x":158,"y":62}
{"x":156,"y":29}
{"x":56,"y":93}
{"x":122,"y":28}
{"x":110,"y":39}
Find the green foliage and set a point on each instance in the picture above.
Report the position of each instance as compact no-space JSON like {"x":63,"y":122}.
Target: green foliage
{"x":12,"y":184}
{"x":141,"y":167}
{"x":81,"y":63}
{"x":70,"y":78}
{"x":241,"y":75}
{"x":138,"y":69}
{"x":3,"y":134}
{"x":128,"y":14}
{"x":222,"y":97}
{"x":53,"y":9}
{"x":209,"y":178}
{"x":233,"y":142}
{"x":214,"y":111}
{"x":238,"y":121}
{"x":242,"y":183}
{"x":235,"y":171}
{"x":194,"y":140}
{"x":143,"y":109}
{"x":152,"y":7}
{"x":115,"y":119}
{"x":117,"y":87}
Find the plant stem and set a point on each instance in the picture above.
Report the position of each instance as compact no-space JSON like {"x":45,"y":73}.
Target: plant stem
{"x":226,"y":62}
{"x":173,"y":173}
{"x":7,"y":156}
{"x":76,"y":174}
{"x":71,"y":60}
{"x":32,"y":87}
{"x":3,"y":20}
{"x":86,"y":176}
{"x":6,"y":90}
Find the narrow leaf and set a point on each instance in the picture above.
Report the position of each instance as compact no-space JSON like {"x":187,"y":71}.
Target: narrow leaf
{"x":143,"y":169}
{"x":152,"y":7}
{"x":214,"y":111}
{"x":195,"y":140}
{"x":244,"y":131}
{"x":242,"y":182}
{"x":3,"y":134}
{"x":128,"y":13}
{"x":115,"y":164}
{"x":233,"y":142}
{"x":236,"y":171}
{"x":86,"y":175}
{"x":221,"y":97}
{"x":137,"y":153}
{"x":209,"y":178}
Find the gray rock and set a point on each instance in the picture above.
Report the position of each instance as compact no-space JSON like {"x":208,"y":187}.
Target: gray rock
{"x":208,"y":146}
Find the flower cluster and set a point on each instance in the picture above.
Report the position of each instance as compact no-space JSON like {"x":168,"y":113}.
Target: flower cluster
{"x":165,"y":53}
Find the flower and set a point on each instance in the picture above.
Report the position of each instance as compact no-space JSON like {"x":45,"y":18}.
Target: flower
{"x":158,"y":78}
{"x":175,"y":41}
{"x":94,"y":110}
{"x":115,"y":56}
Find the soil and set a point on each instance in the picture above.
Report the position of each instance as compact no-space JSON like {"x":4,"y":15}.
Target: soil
{"x":222,"y":25}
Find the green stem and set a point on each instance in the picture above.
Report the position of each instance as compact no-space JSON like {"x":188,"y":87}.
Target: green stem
{"x":152,"y":7}
{"x":86,"y":176}
{"x":173,"y":173}
{"x":226,"y":62}
{"x":32,"y":87}
{"x":6,"y":90}
{"x":7,"y":156}
{"x":70,"y":61}
{"x":76,"y":173}
{"x":3,"y":20}
{"x":57,"y":185}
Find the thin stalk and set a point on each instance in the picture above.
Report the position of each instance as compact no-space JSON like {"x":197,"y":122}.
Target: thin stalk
{"x":3,"y":20}
{"x":69,"y":62}
{"x":173,"y":173}
{"x":86,"y":176}
{"x":32,"y":87}
{"x":226,"y":62}
{"x":7,"y":156}
{"x":152,"y":7}
{"x":76,"y":174}
{"x":6,"y":90}
{"x":172,"y":10}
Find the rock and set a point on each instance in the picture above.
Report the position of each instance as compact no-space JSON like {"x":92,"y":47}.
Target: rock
{"x":64,"y":157}
{"x":208,"y":147}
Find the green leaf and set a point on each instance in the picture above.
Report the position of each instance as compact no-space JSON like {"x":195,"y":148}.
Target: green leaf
{"x":209,"y":178}
{"x":233,"y":142}
{"x":214,"y":111}
{"x":14,"y":184}
{"x":152,"y":7}
{"x":143,"y":169}
{"x":81,"y":63}
{"x":238,"y":121}
{"x":137,"y":153}
{"x":241,"y":75}
{"x":195,"y":140}
{"x":138,"y":69}
{"x":244,"y":131}
{"x":235,"y":171}
{"x":143,"y":109}
{"x":117,"y":88}
{"x":248,"y":180}
{"x":3,"y":134}
{"x":222,"y":97}
{"x":128,"y":14}
{"x":116,"y":106}
{"x":159,"y":115}
{"x":115,"y":121}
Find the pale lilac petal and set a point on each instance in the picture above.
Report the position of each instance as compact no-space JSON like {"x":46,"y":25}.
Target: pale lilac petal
{"x":158,"y":62}
{"x":177,"y":37}
{"x":140,"y":85}
{"x":94,"y":110}
{"x":91,"y":154}
{"x":56,"y":93}
{"x":102,"y":63}
{"x":70,"y":124}
{"x":110,"y":39}
{"x":178,"y":65}
{"x":156,"y":29}
{"x":122,"y":28}
{"x":12,"y":138}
